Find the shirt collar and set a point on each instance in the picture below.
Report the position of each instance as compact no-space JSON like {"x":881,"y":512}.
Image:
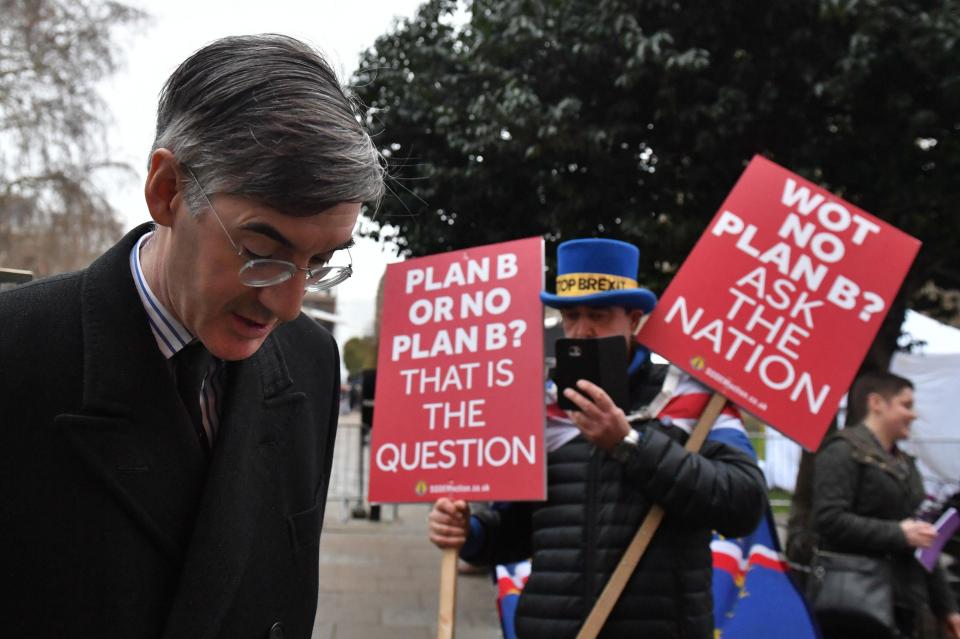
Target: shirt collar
{"x":170,"y":334}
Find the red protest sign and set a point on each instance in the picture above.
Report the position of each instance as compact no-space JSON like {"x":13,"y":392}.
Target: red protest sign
{"x":779,"y":300}
{"x":459,"y":404}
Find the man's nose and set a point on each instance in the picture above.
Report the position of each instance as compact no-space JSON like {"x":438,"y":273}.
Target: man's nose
{"x":284,"y":300}
{"x":582,"y":330}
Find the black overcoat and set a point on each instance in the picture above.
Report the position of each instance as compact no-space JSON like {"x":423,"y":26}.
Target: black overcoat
{"x":114,"y":522}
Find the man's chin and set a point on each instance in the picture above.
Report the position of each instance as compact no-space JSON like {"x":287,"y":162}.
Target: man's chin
{"x":243,"y":351}
{"x":232,"y":348}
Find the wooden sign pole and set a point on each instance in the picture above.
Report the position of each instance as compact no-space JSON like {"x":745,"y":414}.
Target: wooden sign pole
{"x":631,"y":557}
{"x":446,"y":617}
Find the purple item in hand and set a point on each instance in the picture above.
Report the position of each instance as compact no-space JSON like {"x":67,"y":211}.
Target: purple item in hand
{"x":946,"y":525}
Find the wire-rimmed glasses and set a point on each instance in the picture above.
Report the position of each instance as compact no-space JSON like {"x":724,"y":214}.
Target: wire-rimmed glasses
{"x":262,"y":272}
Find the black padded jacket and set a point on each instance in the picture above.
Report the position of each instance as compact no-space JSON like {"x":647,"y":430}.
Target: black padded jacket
{"x":595,"y":505}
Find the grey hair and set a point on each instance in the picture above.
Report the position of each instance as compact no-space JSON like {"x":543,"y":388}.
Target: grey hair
{"x":265,"y":117}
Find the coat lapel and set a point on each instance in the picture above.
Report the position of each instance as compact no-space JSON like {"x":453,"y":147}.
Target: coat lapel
{"x":241,"y":489}
{"x":132,"y":431}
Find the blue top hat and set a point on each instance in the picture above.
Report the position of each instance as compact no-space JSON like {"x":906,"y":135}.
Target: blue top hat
{"x":598,"y":272}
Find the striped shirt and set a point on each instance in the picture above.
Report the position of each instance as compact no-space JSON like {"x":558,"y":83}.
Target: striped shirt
{"x":171,"y":336}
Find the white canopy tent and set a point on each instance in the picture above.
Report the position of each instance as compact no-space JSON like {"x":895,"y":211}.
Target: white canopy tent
{"x":935,"y":371}
{"x":935,"y":439}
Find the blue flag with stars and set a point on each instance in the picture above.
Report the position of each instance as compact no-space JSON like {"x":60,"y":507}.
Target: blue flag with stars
{"x":753,"y":596}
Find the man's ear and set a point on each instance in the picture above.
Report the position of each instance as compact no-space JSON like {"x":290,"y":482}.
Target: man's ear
{"x":875,"y":402}
{"x":162,"y":188}
{"x":637,"y":319}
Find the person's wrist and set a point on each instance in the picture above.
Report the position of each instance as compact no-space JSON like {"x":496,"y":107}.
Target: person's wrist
{"x":475,"y":535}
{"x":623,"y":449}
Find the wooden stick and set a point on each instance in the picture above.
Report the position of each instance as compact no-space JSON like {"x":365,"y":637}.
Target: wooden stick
{"x":634,"y":552}
{"x":446,"y":617}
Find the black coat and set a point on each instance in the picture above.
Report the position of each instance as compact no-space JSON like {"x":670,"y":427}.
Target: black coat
{"x":860,"y":494}
{"x":594,"y":506}
{"x":113,"y":521}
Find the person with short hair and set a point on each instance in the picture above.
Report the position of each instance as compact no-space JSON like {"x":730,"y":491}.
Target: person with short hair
{"x":603,"y":475}
{"x":168,"y":413}
{"x":866,"y":495}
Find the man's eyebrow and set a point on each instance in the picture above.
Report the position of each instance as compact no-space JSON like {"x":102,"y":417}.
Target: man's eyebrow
{"x":265,"y":229}
{"x":346,"y":245}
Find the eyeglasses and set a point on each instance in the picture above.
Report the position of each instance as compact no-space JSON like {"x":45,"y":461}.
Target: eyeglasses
{"x":262,"y":272}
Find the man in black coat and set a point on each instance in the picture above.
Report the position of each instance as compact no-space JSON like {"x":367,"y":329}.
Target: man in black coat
{"x":603,"y":474}
{"x":168,"y":415}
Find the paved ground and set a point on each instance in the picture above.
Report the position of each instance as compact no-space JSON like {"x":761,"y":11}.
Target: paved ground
{"x":381,"y":579}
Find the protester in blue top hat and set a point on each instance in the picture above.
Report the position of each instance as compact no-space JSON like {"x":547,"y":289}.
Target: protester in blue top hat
{"x":604,"y":472}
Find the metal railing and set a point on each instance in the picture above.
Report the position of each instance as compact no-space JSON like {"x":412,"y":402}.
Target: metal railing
{"x":349,"y":474}
{"x":347,"y":481}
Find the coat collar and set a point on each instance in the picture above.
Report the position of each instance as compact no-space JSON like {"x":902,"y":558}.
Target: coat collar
{"x":868,"y":450}
{"x":117,"y":338}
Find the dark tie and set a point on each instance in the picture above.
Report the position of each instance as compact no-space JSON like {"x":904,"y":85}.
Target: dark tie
{"x":191,"y":365}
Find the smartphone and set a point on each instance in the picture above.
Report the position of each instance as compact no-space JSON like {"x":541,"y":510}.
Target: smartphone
{"x":602,"y":361}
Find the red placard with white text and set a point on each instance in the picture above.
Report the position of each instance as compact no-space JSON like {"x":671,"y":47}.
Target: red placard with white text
{"x":459,"y":406}
{"x":780,"y":299}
